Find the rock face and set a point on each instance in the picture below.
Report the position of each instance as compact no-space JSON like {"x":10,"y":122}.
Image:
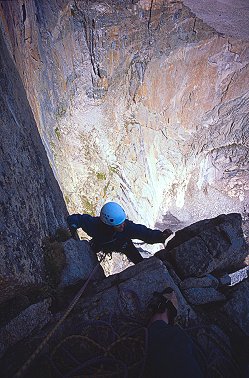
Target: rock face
{"x":31,"y":320}
{"x":110,"y":318}
{"x":207,"y":246}
{"x":118,"y":293}
{"x":31,"y":202}
{"x":137,"y":101}
{"x":80,"y":261}
{"x":125,"y":294}
{"x":225,"y":16}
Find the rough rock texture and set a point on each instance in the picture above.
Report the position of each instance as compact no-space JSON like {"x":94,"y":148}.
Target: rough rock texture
{"x":203,"y":295}
{"x":138,"y":101}
{"x":226,"y":16}
{"x":109,"y":316}
{"x":206,"y":281}
{"x":31,"y":320}
{"x":116,"y":293}
{"x":203,"y":290}
{"x":126,"y":294}
{"x":237,"y":306}
{"x":31,"y":203}
{"x":207,"y":246}
{"x":80,"y":261}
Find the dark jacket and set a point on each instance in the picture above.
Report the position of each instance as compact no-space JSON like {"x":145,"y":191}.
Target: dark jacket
{"x":106,"y":237}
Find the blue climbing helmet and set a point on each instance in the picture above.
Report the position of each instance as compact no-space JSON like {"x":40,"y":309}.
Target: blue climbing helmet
{"x":112,"y":214}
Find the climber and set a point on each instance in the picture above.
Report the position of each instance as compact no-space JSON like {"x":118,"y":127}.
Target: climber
{"x":111,"y":231}
{"x":171,"y":352}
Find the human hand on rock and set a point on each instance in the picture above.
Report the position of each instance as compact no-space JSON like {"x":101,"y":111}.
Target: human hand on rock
{"x":73,"y":232}
{"x":167,"y":233}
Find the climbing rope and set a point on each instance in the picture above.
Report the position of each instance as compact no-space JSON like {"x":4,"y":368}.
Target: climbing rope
{"x":26,"y":365}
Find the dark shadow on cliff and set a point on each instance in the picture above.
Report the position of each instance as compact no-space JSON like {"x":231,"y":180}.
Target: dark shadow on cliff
{"x":31,"y":202}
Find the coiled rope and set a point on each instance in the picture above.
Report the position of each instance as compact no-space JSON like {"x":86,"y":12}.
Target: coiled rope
{"x":26,"y":365}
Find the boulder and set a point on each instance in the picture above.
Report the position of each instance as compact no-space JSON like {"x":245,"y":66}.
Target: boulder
{"x":203,"y":295}
{"x":207,"y":281}
{"x":80,"y":260}
{"x":211,"y":245}
{"x":203,"y":290}
{"x":32,"y":319}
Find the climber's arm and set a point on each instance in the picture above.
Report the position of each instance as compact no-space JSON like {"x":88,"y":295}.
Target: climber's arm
{"x":76,"y":221}
{"x":141,"y":232}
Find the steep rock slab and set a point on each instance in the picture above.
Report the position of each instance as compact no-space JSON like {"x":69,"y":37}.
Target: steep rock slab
{"x":199,"y":96}
{"x":151,"y":94}
{"x":226,"y":16}
{"x":32,"y":205}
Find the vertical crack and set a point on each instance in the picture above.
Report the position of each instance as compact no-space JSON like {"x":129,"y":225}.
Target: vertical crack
{"x":89,"y":26}
{"x":150,"y":14}
{"x":149,"y":22}
{"x":194,"y":30}
{"x":24,"y":14}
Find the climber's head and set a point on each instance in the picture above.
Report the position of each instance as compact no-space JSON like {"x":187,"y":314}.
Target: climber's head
{"x":113,"y":214}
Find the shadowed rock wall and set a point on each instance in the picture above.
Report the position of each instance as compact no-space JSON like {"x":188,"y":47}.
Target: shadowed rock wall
{"x":31,"y":203}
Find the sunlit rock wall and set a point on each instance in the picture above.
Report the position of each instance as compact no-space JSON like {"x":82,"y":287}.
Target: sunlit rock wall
{"x":138,"y":101}
{"x":31,"y":204}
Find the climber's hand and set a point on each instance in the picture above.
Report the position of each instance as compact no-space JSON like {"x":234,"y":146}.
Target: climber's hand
{"x":73,"y":232}
{"x":167,"y":233}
